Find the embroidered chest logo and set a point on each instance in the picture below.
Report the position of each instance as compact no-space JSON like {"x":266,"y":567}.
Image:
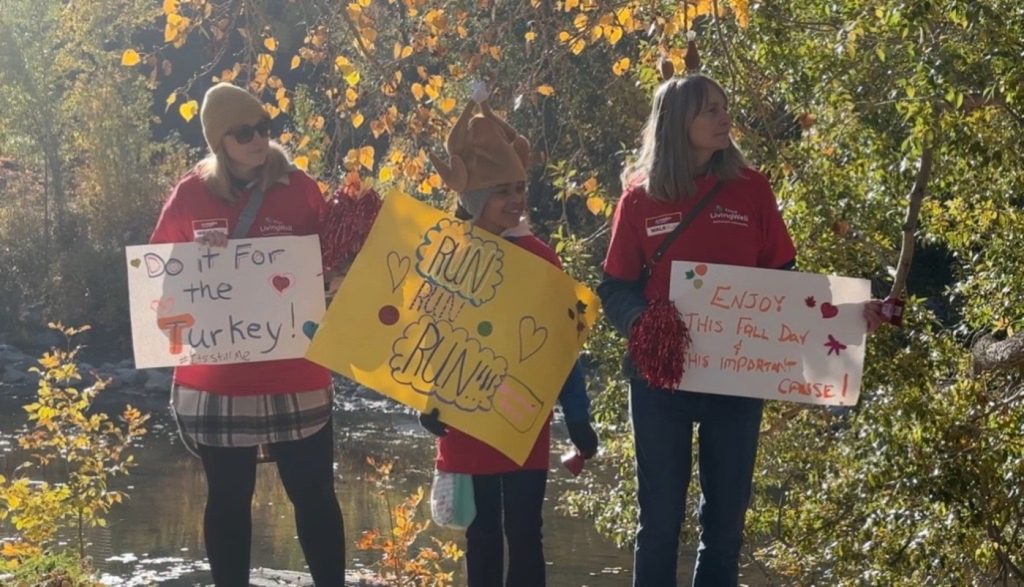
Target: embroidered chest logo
{"x":725,"y":215}
{"x":662,"y":224}
{"x":272,"y":225}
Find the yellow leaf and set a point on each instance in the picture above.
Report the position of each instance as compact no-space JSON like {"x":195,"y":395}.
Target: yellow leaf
{"x":530,"y":36}
{"x":577,"y":46}
{"x":270,"y":43}
{"x":742,"y":10}
{"x":570,"y":4}
{"x":296,"y":61}
{"x":625,"y":16}
{"x":377,"y":128}
{"x":284,"y":137}
{"x":357,"y":119}
{"x":342,"y":64}
{"x":264,"y":63}
{"x":365,"y":3}
{"x":170,"y":7}
{"x":590,"y":185}
{"x":435,"y":180}
{"x":283,"y":103}
{"x":171,"y":100}
{"x":352,"y":78}
{"x":431,"y":91}
{"x":563,"y":37}
{"x":272,"y":111}
{"x":545,"y":90}
{"x":366,"y":157}
{"x":417,"y":90}
{"x":447,"y":104}
{"x":386,"y":173}
{"x":621,"y":66}
{"x":595,"y":204}
{"x":188,"y":110}
{"x":580,"y":22}
{"x":613,"y":33}
{"x":130,"y":58}
{"x":302,"y":162}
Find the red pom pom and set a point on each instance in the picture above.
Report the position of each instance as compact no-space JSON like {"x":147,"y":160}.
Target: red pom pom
{"x":658,"y":344}
{"x":349,"y":218}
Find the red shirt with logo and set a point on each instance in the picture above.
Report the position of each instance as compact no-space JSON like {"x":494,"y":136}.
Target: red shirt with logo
{"x":458,"y":452}
{"x":293,"y":206}
{"x":741,"y":226}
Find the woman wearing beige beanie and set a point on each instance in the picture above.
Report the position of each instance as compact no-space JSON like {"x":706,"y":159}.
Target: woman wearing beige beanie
{"x":232,"y":416}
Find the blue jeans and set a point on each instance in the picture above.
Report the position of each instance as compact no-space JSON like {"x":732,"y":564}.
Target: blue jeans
{"x":727,"y":434}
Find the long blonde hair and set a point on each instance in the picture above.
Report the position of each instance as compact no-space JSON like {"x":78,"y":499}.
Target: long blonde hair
{"x":215,"y":172}
{"x":665,"y":166}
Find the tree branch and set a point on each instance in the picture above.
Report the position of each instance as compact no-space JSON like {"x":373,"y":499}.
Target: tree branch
{"x":917,"y":193}
{"x":990,"y":354}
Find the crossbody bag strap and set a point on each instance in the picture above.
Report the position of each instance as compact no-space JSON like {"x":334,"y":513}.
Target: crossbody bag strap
{"x":248,"y":215}
{"x":671,"y":237}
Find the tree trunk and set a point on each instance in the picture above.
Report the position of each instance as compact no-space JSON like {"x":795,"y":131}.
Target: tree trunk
{"x":990,"y":354}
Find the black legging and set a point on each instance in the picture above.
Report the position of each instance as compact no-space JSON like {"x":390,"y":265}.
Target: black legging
{"x":306,"y":468}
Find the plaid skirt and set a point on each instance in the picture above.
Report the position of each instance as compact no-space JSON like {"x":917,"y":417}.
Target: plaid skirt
{"x":213,"y":419}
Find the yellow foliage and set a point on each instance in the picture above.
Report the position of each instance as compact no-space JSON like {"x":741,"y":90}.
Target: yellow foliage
{"x":545,"y":90}
{"x":130,"y":58}
{"x":595,"y":204}
{"x":613,"y":34}
{"x":621,"y":66}
{"x":447,"y":105}
{"x":417,"y":90}
{"x":188,"y":110}
{"x":296,"y":61}
{"x":357,"y":120}
{"x":302,"y":162}
{"x":270,"y":43}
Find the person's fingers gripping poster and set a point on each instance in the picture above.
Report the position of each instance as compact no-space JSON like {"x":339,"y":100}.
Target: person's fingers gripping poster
{"x":435,"y":313}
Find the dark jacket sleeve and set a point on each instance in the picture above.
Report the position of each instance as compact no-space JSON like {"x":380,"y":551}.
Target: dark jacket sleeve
{"x":623,"y":301}
{"x":573,"y":397}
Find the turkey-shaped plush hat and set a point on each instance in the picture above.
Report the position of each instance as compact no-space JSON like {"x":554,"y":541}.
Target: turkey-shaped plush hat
{"x":483,"y":151}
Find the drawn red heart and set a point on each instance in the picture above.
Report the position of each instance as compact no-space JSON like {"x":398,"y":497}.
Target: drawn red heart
{"x":281,"y":281}
{"x":162,"y":306}
{"x":828,"y":310}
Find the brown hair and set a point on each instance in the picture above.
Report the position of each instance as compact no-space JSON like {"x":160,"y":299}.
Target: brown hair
{"x":215,"y":172}
{"x":665,"y":166}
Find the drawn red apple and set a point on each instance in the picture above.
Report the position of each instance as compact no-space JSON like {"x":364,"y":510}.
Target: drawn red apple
{"x":700,"y":270}
{"x":828,"y":311}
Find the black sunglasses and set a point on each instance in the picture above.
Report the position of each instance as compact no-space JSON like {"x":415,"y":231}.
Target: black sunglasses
{"x":246,"y":132}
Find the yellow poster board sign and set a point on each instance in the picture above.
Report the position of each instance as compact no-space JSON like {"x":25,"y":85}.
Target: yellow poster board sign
{"x":436,"y":313}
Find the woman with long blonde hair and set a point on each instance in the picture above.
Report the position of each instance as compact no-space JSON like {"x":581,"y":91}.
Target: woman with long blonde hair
{"x":689,"y":169}
{"x":230,"y":414}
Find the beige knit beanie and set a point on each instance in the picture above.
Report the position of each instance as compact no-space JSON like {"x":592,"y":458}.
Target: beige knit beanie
{"x":227,"y":107}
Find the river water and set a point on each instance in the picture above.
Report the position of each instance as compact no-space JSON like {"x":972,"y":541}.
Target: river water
{"x":156,"y":535}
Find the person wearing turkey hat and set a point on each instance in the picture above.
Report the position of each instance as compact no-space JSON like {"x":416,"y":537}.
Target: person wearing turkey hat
{"x":687,"y":169}
{"x":487,"y":169}
{"x":231,"y":416}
